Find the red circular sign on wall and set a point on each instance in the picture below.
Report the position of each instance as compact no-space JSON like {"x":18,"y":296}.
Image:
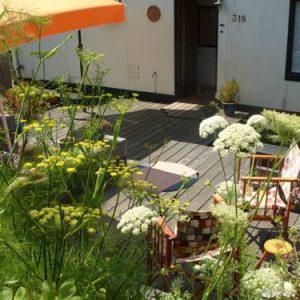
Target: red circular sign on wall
{"x":153,"y":13}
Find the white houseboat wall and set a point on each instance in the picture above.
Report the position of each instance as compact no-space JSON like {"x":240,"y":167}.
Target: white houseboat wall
{"x":191,"y":47}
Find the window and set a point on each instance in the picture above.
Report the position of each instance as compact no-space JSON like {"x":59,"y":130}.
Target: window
{"x":293,"y":48}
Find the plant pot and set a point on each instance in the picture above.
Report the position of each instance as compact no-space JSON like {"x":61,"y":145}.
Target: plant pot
{"x":121,"y":146}
{"x":11,"y":124}
{"x":229,"y":109}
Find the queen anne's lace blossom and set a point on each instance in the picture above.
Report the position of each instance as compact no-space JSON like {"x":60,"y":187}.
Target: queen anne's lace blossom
{"x":258,"y":122}
{"x":137,"y":220}
{"x":207,"y":265}
{"x":230,"y":215}
{"x":228,"y":190}
{"x":238,"y":138}
{"x":211,"y":125}
{"x":267,"y":283}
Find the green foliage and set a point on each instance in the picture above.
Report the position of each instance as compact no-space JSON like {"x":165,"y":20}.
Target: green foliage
{"x":6,"y":294}
{"x":66,"y":291}
{"x":229,"y":91}
{"x":13,"y":35}
{"x":122,"y":104}
{"x":117,"y":272}
{"x":57,"y":241}
{"x":55,"y":200}
{"x":35,"y":95}
{"x":88,"y":56}
{"x":43,"y":54}
{"x":67,"y":218}
{"x":21,"y":182}
{"x":2,"y":137}
{"x":285,"y":127}
{"x":10,"y":271}
{"x":177,"y":292}
{"x":48,"y":291}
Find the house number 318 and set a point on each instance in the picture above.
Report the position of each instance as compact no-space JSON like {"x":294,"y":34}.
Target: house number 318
{"x":239,"y":18}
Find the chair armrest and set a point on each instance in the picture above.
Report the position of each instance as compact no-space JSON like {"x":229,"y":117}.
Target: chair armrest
{"x":265,"y":156}
{"x":218,"y":199}
{"x":270,"y":179}
{"x":167,"y":231}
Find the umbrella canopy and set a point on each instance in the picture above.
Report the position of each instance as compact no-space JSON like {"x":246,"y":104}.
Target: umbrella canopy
{"x":20,"y":22}
{"x":63,"y":16}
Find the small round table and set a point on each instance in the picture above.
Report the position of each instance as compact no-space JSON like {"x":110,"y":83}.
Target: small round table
{"x":274,"y":247}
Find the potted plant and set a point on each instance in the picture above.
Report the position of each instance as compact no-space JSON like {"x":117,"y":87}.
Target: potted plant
{"x":38,"y":99}
{"x":228,"y":96}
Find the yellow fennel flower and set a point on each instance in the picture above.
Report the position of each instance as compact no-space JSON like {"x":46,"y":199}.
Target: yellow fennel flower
{"x":71,"y":170}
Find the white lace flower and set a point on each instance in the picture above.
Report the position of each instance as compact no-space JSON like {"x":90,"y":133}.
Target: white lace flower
{"x":135,"y":231}
{"x":207,"y":265}
{"x":267,"y":283}
{"x":212,"y":125}
{"x":258,"y":122}
{"x":230,"y":215}
{"x":183,"y":218}
{"x":229,"y":191}
{"x":289,"y":290}
{"x":238,"y":138}
{"x":136,"y":220}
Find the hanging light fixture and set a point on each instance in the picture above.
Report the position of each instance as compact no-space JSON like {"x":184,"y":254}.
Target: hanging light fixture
{"x":219,"y":4}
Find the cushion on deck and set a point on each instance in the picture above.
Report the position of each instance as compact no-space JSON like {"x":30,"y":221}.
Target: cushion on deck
{"x":175,"y":168}
{"x":168,"y":176}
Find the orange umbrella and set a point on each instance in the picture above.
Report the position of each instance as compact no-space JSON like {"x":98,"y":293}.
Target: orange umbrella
{"x":17,"y":24}
{"x":63,"y":15}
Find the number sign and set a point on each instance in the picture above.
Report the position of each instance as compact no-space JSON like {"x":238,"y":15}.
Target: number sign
{"x":239,"y":18}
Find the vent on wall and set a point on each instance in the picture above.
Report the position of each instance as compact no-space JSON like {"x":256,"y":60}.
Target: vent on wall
{"x":134,"y":71}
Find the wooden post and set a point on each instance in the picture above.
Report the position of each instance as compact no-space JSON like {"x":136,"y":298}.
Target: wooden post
{"x":5,"y":127}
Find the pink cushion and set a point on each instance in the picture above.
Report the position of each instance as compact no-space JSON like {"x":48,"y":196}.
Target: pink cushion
{"x":291,"y":168}
{"x":168,"y":176}
{"x":199,"y":257}
{"x":267,"y":200}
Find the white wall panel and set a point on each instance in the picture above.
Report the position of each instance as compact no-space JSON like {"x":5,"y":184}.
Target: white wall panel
{"x":133,"y":50}
{"x":254,"y":53}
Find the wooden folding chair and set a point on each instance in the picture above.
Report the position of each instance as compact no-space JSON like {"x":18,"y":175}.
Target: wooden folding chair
{"x":269,"y":185}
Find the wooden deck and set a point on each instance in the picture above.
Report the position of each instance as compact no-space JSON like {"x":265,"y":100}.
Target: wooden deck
{"x":177,"y":140}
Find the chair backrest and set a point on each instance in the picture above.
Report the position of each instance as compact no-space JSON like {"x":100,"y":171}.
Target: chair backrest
{"x":196,"y":235}
{"x":291,"y":168}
